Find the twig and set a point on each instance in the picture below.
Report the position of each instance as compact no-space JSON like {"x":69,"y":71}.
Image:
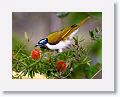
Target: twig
{"x":19,"y":50}
{"x":25,"y":58}
{"x":19,"y":75}
{"x":20,"y":61}
{"x":24,"y":45}
{"x":66,"y":75}
{"x":96,"y":74}
{"x":34,"y":63}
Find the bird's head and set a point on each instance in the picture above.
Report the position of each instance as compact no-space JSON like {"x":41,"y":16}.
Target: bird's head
{"x":42,"y":43}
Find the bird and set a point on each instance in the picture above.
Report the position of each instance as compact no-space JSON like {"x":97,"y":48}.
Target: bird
{"x":59,"y":40}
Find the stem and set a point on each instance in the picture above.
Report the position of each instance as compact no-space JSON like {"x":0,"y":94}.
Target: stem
{"x":34,"y":63}
{"x":96,"y":74}
{"x":24,"y":45}
{"x":20,"y":75}
{"x":26,"y":58}
{"x":19,"y":50}
{"x":20,"y":61}
{"x":67,"y":75}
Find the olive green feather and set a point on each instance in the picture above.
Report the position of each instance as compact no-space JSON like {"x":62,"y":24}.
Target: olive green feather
{"x":64,"y":34}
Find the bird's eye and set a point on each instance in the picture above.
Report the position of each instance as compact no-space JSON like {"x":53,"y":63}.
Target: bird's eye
{"x":42,"y":41}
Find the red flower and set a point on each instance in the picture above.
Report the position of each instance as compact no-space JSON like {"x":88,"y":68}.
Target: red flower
{"x":35,"y":54}
{"x":61,"y":66}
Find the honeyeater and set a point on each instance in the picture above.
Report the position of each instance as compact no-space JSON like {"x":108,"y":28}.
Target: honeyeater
{"x":61,"y":39}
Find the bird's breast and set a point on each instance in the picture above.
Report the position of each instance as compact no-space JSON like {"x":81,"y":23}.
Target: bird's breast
{"x":60,"y":45}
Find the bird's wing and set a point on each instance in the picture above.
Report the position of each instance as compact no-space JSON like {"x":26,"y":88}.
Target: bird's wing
{"x":54,"y":38}
{"x":69,"y":30}
{"x":63,"y":34}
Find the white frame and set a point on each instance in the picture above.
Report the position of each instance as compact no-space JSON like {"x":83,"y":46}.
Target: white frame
{"x":104,"y":84}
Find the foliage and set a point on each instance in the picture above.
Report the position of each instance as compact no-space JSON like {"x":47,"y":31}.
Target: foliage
{"x":76,"y":57}
{"x":62,"y":14}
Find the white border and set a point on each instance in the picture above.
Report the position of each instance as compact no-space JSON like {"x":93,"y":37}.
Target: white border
{"x":104,"y":6}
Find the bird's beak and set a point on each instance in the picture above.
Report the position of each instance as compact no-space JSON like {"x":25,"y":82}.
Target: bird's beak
{"x":38,"y":45}
{"x":41,"y":46}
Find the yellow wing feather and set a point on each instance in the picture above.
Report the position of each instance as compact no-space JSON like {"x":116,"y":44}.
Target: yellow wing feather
{"x":66,"y":33}
{"x":56,"y":37}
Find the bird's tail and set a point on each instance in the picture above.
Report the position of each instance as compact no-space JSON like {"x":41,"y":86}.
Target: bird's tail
{"x":83,"y":21}
{"x":68,"y":30}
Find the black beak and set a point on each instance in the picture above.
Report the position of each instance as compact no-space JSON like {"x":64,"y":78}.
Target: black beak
{"x":38,"y":45}
{"x":41,"y":46}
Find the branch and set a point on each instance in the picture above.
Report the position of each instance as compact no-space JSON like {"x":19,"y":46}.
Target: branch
{"x":96,"y":73}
